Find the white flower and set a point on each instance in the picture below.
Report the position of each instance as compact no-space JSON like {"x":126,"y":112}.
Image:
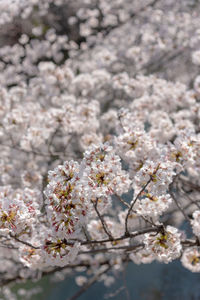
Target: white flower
{"x":158,"y":173}
{"x":18,"y":209}
{"x":142,"y":256}
{"x":166,"y":245}
{"x":67,"y":206}
{"x":191,"y":259}
{"x":153,"y":205}
{"x":56,"y":252}
{"x":31,"y":257}
{"x":103,"y":174}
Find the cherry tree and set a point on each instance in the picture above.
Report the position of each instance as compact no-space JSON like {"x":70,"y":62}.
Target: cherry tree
{"x":99,"y":138}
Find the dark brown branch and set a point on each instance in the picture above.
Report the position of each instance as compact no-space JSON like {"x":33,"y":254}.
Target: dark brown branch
{"x":125,"y":236}
{"x":23,"y":242}
{"x":103,"y":250}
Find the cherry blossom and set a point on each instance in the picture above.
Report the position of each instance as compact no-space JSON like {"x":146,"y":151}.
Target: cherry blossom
{"x":99,"y":137}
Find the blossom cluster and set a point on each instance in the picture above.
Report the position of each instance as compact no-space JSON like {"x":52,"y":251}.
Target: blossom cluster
{"x":99,"y":136}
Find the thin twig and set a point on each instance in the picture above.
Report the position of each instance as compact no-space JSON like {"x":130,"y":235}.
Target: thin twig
{"x":122,"y":200}
{"x":176,"y":201}
{"x":133,"y":203}
{"x":32,"y":151}
{"x":102,"y":220}
{"x":123,"y":237}
{"x":23,"y":242}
